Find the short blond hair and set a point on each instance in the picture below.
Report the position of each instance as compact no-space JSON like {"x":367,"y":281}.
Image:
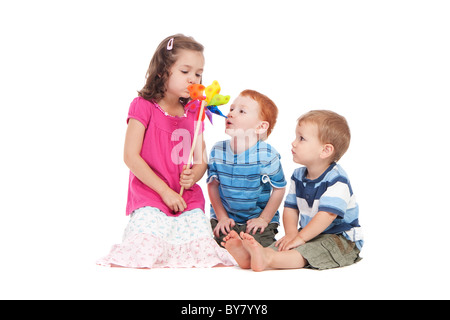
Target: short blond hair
{"x":333,"y":129}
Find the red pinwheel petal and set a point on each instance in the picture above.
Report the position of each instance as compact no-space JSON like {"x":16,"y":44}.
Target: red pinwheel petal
{"x":193,"y":104}
{"x":203,"y":115}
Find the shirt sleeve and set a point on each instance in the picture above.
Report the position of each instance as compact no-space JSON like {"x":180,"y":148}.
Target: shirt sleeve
{"x":291,"y":198}
{"x":212,"y":167}
{"x":272,"y":172}
{"x":140,"y":109}
{"x":336,"y":198}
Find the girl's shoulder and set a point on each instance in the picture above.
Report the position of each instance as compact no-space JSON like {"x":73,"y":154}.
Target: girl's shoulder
{"x":141,"y":109}
{"x":141,"y":102}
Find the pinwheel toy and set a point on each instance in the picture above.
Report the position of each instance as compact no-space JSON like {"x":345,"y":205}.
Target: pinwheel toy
{"x":211,"y":100}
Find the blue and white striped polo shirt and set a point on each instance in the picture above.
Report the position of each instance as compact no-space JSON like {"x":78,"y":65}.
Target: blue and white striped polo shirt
{"x":331,"y":192}
{"x":245,"y":180}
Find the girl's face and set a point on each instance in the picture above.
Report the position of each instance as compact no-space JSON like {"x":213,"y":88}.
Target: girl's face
{"x":186,"y":70}
{"x":306,"y":148}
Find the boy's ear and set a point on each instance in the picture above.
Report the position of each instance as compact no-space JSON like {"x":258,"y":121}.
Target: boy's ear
{"x":262,"y":128}
{"x":327,"y":151}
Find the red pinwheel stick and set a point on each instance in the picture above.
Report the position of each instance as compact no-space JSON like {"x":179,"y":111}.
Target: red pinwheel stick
{"x":197,"y":130}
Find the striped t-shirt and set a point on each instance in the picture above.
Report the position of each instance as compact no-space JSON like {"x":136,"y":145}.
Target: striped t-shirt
{"x":331,"y":192}
{"x":245,"y":180}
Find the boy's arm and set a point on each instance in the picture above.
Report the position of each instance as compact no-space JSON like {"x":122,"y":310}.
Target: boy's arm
{"x":316,"y":226}
{"x":290,"y":223}
{"x":225,"y":223}
{"x":267,"y":214}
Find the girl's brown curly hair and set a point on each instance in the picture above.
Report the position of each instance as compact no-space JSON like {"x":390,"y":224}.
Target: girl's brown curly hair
{"x":159,"y":69}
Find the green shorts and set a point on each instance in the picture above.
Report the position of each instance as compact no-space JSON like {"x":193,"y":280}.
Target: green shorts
{"x":327,"y":251}
{"x":265,"y":239}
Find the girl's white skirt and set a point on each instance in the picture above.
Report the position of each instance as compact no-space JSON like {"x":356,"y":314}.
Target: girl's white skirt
{"x":154,"y":240}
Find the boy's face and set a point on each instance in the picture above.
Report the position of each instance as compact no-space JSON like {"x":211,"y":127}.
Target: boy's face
{"x":244,"y":118}
{"x":306,"y":148}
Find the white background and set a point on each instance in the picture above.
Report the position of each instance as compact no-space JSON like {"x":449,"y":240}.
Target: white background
{"x":69,"y":70}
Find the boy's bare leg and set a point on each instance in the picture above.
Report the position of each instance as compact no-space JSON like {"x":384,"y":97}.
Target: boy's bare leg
{"x":266,"y":258}
{"x":234,"y":246}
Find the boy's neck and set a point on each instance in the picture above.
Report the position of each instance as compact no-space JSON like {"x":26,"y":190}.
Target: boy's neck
{"x":242,"y":144}
{"x":316,"y":170}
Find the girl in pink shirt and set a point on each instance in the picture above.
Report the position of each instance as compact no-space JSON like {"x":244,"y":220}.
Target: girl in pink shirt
{"x":166,"y":229}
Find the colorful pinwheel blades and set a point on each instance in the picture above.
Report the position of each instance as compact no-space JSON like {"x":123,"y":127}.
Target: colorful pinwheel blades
{"x":196,"y":91}
{"x":195,"y":105}
{"x":211,"y":91}
{"x":216,"y":110}
{"x":212,"y":96}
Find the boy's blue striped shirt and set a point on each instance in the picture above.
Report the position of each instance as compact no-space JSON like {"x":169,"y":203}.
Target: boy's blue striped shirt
{"x":245,"y":180}
{"x":331,"y":192}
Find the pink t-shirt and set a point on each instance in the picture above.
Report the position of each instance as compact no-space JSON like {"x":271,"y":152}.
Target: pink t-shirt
{"x":165,"y":148}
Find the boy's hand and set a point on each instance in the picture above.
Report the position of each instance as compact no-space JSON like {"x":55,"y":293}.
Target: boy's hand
{"x":254,"y":224}
{"x":224,"y":225}
{"x":284,"y":244}
{"x":187,"y":178}
{"x":296,"y":242}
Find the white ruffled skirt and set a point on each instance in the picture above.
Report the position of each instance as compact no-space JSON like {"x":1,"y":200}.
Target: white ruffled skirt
{"x":154,"y":240}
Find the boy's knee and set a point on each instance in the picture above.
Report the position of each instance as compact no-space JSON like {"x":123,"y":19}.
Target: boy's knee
{"x":268,"y":236}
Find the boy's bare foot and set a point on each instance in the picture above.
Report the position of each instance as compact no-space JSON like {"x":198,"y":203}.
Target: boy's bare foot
{"x":259,"y":260}
{"x":234,"y":246}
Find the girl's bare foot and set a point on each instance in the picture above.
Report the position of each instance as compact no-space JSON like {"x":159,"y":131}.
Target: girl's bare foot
{"x":259,"y":259}
{"x":234,"y":246}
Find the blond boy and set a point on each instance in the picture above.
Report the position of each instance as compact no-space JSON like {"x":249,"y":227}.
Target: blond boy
{"x":320,"y":214}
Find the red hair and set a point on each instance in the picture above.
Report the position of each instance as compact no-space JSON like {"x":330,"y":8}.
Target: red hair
{"x":268,"y":110}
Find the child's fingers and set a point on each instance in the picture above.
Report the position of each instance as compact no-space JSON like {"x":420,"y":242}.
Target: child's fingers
{"x":180,"y":205}
{"x":186,"y":181}
{"x":216,"y":232}
{"x":186,"y":173}
{"x":280,"y":244}
{"x":183,"y":203}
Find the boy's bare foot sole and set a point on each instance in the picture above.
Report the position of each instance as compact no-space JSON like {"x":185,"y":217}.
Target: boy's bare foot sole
{"x":233,"y":244}
{"x":259,"y":260}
